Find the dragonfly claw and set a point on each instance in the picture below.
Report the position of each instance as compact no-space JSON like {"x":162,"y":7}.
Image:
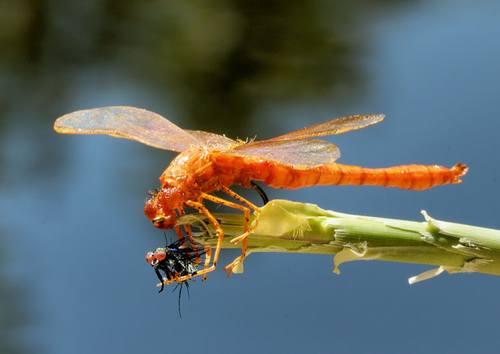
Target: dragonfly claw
{"x":239,"y":238}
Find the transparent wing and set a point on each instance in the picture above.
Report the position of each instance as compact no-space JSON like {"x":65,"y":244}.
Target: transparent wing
{"x":293,"y":152}
{"x":212,"y":140}
{"x":129,"y":123}
{"x":297,"y":148}
{"x":332,"y":127}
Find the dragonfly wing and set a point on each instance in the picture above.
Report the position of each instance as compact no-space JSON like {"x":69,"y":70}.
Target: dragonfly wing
{"x":292,"y":152}
{"x":129,"y":123}
{"x":332,"y":127}
{"x":212,"y":140}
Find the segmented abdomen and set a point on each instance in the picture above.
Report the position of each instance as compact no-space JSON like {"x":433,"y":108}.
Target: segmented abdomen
{"x":415,"y":177}
{"x":277,"y":175}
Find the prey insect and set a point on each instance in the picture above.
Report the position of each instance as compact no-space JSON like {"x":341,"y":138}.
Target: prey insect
{"x":177,"y":259}
{"x":210,"y":162}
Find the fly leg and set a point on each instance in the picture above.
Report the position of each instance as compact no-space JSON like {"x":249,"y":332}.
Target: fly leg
{"x":158,"y":274}
{"x":238,"y":261}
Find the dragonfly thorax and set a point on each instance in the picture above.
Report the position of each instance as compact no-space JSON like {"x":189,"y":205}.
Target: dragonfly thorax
{"x":180,"y":182}
{"x":183,"y":169}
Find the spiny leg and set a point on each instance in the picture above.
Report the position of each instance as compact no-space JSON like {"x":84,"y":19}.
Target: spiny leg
{"x":208,"y":256}
{"x":178,"y":229}
{"x":179,"y":233}
{"x":207,"y":268}
{"x":238,"y":197}
{"x":246,"y":229}
{"x":245,"y":210}
{"x":187,"y":228}
{"x":188,"y":231}
{"x":207,"y":252}
{"x":243,"y":238}
{"x":220,"y":236}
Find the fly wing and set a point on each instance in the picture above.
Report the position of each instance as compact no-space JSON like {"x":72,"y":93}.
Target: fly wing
{"x":300,"y":152}
{"x":332,"y":127}
{"x":129,"y":123}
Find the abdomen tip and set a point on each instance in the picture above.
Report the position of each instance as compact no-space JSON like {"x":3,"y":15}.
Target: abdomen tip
{"x":459,"y":170}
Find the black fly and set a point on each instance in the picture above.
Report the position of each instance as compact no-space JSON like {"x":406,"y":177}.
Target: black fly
{"x":175,"y":260}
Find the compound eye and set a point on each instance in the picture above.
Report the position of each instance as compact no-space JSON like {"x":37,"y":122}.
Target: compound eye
{"x":160,"y":254}
{"x":150,"y":257}
{"x":159,"y":221}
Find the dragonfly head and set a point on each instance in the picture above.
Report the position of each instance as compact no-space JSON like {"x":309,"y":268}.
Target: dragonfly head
{"x":157,"y":209}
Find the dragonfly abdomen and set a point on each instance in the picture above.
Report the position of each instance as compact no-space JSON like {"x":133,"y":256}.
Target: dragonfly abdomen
{"x":242,"y":169}
{"x":414,"y":177}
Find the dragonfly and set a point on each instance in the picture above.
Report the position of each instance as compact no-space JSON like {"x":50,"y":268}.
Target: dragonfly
{"x":209,"y":162}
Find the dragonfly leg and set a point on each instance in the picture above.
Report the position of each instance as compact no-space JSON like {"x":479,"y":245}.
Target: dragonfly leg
{"x":261,"y":192}
{"x":236,"y":196}
{"x":245,"y":201}
{"x":179,"y":233}
{"x":207,"y":268}
{"x":165,"y":282}
{"x":208,"y":256}
{"x":242,"y":238}
{"x":187,"y":230}
{"x":220,"y":236}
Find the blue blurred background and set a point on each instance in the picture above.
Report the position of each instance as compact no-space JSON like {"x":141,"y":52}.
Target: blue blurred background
{"x":73,"y":237}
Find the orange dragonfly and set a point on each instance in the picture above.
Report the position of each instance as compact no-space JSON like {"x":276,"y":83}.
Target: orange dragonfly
{"x":210,"y":162}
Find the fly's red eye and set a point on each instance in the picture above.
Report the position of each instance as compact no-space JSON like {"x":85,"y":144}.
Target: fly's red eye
{"x":150,"y":257}
{"x":160,"y":254}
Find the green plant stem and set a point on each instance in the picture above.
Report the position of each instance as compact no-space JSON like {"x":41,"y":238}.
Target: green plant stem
{"x":285,"y":226}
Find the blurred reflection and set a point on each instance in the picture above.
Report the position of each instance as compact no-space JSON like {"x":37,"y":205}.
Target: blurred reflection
{"x":221,"y":61}
{"x":12,"y":316}
{"x":227,"y":59}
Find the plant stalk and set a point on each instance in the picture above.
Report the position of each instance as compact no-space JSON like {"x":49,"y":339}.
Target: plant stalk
{"x":286,"y":226}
